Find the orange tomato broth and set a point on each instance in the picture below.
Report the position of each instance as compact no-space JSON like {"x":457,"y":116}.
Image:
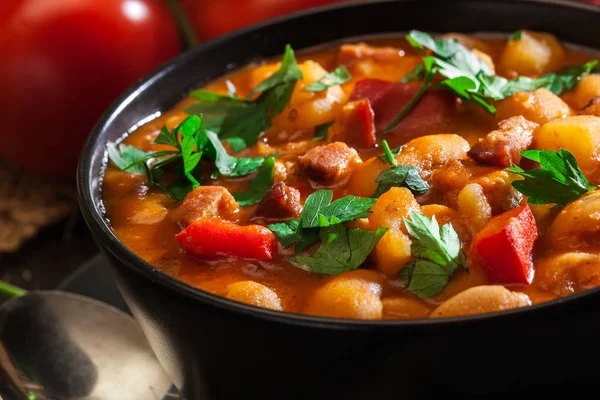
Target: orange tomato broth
{"x":137,"y":213}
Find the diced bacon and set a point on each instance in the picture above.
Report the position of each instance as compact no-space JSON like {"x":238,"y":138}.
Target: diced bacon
{"x":375,"y":90}
{"x":503,"y":146}
{"x":329,"y":164}
{"x":389,"y":98}
{"x":357,"y":125}
{"x":281,"y":203}
{"x":205,"y":202}
{"x":351,"y":53}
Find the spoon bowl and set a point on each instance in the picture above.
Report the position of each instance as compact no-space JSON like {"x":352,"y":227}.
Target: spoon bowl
{"x":64,"y":346}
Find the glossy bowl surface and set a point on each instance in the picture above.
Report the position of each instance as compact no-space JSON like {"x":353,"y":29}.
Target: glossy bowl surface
{"x":214,"y":348}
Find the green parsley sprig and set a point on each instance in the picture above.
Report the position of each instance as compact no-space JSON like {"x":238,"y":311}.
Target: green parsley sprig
{"x":319,"y":212}
{"x":259,"y":185}
{"x":471,"y":79}
{"x":398,"y":175}
{"x":191,"y":143}
{"x":336,"y":77}
{"x":559,"y":179}
{"x":438,"y":255}
{"x":516,"y":35}
{"x":341,"y":249}
{"x":322,"y":130}
{"x":242,"y":121}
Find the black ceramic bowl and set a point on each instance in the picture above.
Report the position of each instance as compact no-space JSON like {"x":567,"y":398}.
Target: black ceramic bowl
{"x":214,"y":348}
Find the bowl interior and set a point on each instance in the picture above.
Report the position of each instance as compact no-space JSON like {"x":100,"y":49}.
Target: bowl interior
{"x":162,"y":89}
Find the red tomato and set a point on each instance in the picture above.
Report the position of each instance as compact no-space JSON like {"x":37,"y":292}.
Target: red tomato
{"x":212,"y":18}
{"x":63,"y":62}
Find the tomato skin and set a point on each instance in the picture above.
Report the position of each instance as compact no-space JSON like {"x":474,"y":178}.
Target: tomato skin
{"x":63,"y":63}
{"x":207,"y":16}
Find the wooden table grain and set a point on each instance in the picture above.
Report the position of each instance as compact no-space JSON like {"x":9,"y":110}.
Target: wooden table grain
{"x":44,"y":261}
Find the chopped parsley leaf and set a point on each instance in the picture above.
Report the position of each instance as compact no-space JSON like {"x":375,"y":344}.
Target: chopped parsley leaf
{"x":559,"y":179}
{"x":336,"y":77}
{"x":471,"y":79}
{"x":437,"y":253}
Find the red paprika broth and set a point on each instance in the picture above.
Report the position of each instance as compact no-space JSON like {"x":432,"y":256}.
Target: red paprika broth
{"x":462,"y":152}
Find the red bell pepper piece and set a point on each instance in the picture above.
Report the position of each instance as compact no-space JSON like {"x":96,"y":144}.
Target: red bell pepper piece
{"x":388,"y":98}
{"x":214,"y":237}
{"x":504,"y":246}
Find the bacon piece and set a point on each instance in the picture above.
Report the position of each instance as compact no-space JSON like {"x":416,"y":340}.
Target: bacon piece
{"x":357,"y":125}
{"x":329,"y":164}
{"x":503,"y":146}
{"x":351,"y":53}
{"x":281,"y":203}
{"x":389,"y":98}
{"x":205,"y":202}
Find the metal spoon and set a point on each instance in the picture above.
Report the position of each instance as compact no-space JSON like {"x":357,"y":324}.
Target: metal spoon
{"x":60,"y":346}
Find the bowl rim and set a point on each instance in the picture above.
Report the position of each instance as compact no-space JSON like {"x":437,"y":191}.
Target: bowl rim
{"x":103,"y":233}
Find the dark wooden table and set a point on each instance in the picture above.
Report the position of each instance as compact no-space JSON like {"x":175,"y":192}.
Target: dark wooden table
{"x":44,"y":261}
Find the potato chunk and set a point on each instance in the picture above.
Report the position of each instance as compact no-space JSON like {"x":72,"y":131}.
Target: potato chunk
{"x":308,"y":109}
{"x":539,"y":106}
{"x":586,"y":90}
{"x":444,"y":215}
{"x":577,"y":226}
{"x":481,"y":299}
{"x":433,"y":151}
{"x":391,"y":207}
{"x":533,"y":54}
{"x":353,"y":294}
{"x":253,"y":293}
{"x":405,"y":308}
{"x":592,"y":108}
{"x":393,"y":250}
{"x":362,"y":181}
{"x":569,"y":272}
{"x":426,"y":152}
{"x":579,"y":134}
